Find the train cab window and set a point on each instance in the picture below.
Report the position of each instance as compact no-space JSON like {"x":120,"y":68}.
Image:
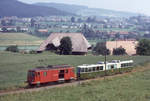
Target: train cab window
{"x":32,"y":74}
{"x":66,"y":71}
{"x":101,"y":67}
{"x":45,"y":73}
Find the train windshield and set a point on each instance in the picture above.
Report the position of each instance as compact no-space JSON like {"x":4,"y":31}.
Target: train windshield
{"x":31,"y":74}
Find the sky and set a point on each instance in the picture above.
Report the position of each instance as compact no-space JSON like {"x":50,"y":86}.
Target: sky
{"x":137,"y":6}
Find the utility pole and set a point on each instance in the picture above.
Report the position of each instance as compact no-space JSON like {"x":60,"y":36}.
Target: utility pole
{"x":105,"y":58}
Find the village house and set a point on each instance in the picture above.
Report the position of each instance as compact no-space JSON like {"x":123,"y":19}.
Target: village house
{"x":80,"y":45}
{"x":128,"y":45}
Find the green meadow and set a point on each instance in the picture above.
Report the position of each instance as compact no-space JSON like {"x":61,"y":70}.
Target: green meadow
{"x":20,"y":39}
{"x":14,"y":66}
{"x":132,"y":87}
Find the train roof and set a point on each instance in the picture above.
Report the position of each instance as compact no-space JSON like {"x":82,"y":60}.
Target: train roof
{"x":127,"y":61}
{"x":50,"y":67}
{"x":101,"y":63}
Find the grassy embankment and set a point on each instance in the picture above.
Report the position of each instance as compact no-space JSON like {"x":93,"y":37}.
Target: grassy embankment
{"x":14,"y":66}
{"x":22,"y":40}
{"x":133,"y":87}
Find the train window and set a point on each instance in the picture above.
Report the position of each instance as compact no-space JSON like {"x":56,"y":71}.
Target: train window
{"x":86,"y":70}
{"x":94,"y":68}
{"x":82,"y":69}
{"x":101,"y":67}
{"x":112,"y":66}
{"x":38,"y":73}
{"x":32,"y":74}
{"x":45,"y":73}
{"x":61,"y":71}
{"x":90,"y":69}
{"x":66,"y":71}
{"x":97,"y":68}
{"x":122,"y":65}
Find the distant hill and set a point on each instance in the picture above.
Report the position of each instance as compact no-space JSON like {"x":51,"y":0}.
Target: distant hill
{"x":16,"y":8}
{"x":85,"y":11}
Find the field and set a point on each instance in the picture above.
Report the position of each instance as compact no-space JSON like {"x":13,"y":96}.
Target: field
{"x":20,"y":39}
{"x":14,"y":66}
{"x":133,"y":87}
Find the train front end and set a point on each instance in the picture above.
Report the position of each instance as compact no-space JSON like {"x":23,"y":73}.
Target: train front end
{"x":31,"y":77}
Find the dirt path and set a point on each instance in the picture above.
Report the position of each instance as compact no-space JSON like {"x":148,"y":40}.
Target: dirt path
{"x":23,"y":90}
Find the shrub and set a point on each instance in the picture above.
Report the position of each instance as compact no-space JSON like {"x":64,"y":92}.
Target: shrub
{"x":33,"y":52}
{"x":143,"y":47}
{"x":12,"y":48}
{"x":119,"y":51}
{"x":101,"y":49}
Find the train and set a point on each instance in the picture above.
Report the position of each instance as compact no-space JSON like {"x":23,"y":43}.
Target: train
{"x":65,"y":73}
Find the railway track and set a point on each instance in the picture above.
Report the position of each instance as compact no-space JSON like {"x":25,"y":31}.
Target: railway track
{"x":74,"y":83}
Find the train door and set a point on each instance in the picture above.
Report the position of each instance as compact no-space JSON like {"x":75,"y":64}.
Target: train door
{"x":61,"y":74}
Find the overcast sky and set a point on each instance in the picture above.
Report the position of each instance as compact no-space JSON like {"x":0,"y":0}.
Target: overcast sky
{"x":138,"y":6}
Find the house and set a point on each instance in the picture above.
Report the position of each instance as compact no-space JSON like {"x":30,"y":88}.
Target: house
{"x":43,"y":30}
{"x":128,"y":45}
{"x":80,"y":45}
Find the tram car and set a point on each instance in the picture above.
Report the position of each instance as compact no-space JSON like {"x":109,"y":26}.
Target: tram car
{"x":87,"y":71}
{"x":42,"y":75}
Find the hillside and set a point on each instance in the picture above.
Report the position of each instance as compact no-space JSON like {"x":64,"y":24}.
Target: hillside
{"x":85,"y":11}
{"x":16,"y":8}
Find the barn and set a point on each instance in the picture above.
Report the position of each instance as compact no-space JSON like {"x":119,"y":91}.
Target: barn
{"x":80,"y":45}
{"x":128,"y":45}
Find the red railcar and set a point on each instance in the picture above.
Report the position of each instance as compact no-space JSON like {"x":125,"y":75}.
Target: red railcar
{"x":41,"y":75}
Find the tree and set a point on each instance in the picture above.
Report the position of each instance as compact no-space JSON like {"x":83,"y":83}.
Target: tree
{"x":89,"y":19}
{"x":143,"y":47}
{"x":3,"y":23}
{"x":88,"y":32}
{"x":32,"y":22}
{"x":65,"y":46}
{"x":4,"y":29}
{"x":79,"y":20}
{"x":72,"y":19}
{"x":12,"y":48}
{"x":101,"y":49}
{"x":119,"y":51}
